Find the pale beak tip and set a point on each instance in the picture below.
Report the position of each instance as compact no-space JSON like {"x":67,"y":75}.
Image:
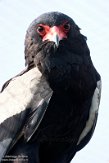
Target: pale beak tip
{"x":56,"y":40}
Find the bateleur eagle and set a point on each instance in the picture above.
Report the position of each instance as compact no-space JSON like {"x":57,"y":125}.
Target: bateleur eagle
{"x":49,"y":111}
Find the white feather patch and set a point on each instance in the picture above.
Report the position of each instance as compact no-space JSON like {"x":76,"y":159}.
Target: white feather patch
{"x":93,"y":111}
{"x":17,"y":96}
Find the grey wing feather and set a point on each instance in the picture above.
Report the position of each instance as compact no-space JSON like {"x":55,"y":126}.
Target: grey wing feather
{"x":93,"y":114}
{"x":10,"y":130}
{"x":24,"y":99}
{"x":35,"y":119}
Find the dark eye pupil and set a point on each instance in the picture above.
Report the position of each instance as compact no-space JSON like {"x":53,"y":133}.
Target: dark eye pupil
{"x":40,"y":29}
{"x":67,"y":26}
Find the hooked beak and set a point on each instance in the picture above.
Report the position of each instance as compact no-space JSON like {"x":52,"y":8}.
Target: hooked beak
{"x":55,"y":39}
{"x":54,"y":35}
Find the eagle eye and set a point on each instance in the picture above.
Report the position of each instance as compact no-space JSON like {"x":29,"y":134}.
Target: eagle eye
{"x":41,"y":30}
{"x":66,"y":26}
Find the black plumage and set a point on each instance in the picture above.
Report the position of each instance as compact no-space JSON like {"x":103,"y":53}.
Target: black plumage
{"x":60,"y":94}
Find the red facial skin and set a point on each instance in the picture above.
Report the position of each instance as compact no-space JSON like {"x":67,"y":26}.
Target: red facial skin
{"x":47,"y":32}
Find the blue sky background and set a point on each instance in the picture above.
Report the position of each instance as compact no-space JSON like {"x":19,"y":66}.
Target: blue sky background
{"x":93,"y":18}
